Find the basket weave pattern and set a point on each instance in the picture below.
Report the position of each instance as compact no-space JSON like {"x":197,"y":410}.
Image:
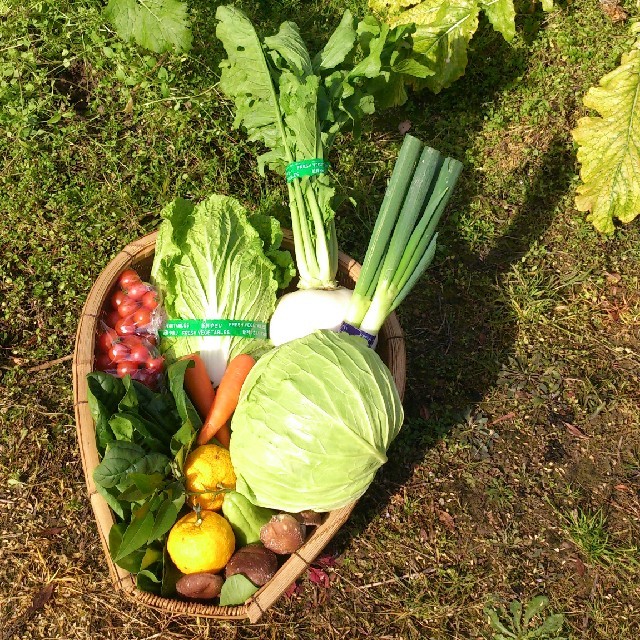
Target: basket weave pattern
{"x":139,"y":255}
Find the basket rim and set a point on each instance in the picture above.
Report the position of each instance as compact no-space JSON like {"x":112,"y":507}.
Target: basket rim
{"x":133,"y":253}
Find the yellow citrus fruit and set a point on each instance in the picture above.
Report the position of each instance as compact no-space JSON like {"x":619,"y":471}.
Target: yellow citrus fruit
{"x":208,"y":468}
{"x":201,"y":544}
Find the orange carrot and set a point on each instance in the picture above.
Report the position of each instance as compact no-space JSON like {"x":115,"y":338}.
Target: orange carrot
{"x":227,"y":396}
{"x":224,"y":434}
{"x":198,"y":385}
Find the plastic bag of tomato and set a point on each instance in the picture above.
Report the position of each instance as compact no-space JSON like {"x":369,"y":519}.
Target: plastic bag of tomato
{"x":127,"y":341}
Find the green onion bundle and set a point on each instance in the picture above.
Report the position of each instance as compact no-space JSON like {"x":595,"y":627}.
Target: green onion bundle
{"x":403,"y":242}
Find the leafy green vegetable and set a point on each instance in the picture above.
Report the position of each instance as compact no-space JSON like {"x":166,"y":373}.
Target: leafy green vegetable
{"x":145,"y":437}
{"x":443,"y":31}
{"x":210,"y":264}
{"x":609,"y":146}
{"x":295,"y":105}
{"x":277,"y":105}
{"x":236,"y":590}
{"x":313,"y":423}
{"x":157,"y":25}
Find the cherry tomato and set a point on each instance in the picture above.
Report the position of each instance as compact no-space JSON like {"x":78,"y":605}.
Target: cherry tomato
{"x":127,"y":368}
{"x":132,"y":340}
{"x":150,"y":300}
{"x":125,"y":327}
{"x":139,"y":353}
{"x":103,"y":362}
{"x":137,"y":290}
{"x":118,"y":298}
{"x":128,"y":277}
{"x":105,"y":340}
{"x":111,"y":317}
{"x":118,"y":352}
{"x":142,"y":317}
{"x":128,"y":307}
{"x":154,"y":365}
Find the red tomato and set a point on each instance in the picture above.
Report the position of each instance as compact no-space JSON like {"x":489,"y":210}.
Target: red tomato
{"x":142,"y":317}
{"x":105,"y":340}
{"x":128,"y":307}
{"x":150,"y":300}
{"x":128,"y":277}
{"x":127,"y":368}
{"x":118,"y":298}
{"x":137,"y":290}
{"x":125,"y":327}
{"x":111,"y":317}
{"x":132,"y":340}
{"x":155,"y":365}
{"x":118,"y":352}
{"x":139,"y":353}
{"x":103,"y":362}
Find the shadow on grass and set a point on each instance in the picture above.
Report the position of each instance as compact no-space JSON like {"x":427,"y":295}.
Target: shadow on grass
{"x":459,"y":329}
{"x":460,"y":334}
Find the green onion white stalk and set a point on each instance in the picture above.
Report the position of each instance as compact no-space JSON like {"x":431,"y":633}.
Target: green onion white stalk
{"x":403,"y":242}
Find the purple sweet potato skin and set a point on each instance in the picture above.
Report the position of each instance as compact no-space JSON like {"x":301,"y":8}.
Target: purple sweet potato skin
{"x":200,"y":586}
{"x":255,"y":562}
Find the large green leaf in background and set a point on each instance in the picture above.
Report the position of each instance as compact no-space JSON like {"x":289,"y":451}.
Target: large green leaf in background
{"x":444,"y":29}
{"x":609,"y":147}
{"x":157,"y":25}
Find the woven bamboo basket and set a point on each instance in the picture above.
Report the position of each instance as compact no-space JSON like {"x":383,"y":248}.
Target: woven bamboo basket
{"x":139,"y":255}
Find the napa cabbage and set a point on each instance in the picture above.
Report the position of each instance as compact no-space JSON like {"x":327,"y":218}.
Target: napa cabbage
{"x":212,"y":263}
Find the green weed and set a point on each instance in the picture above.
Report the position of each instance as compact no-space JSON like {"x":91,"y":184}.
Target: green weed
{"x":527,"y":623}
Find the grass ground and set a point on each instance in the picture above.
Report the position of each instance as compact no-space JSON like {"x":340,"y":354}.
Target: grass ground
{"x":517,"y":472}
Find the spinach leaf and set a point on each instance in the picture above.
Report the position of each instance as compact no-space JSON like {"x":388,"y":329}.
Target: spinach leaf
{"x":104,"y":393}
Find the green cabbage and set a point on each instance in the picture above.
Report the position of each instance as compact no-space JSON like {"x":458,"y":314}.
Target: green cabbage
{"x":313,"y":423}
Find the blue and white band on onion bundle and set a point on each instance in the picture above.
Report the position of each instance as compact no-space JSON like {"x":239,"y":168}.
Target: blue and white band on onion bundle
{"x":355,"y":331}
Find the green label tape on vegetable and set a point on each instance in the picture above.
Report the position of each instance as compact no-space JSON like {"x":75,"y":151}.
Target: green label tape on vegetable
{"x":302,"y":168}
{"x":203,"y":328}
